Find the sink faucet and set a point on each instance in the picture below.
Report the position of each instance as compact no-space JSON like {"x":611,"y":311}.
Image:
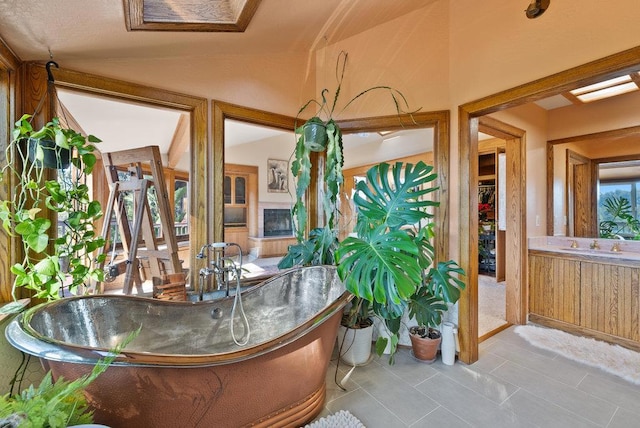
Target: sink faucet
{"x":594,"y":245}
{"x":574,"y":243}
{"x":616,"y":247}
{"x":222,"y":267}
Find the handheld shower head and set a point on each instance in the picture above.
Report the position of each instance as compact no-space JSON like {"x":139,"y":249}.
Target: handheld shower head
{"x":202,"y":254}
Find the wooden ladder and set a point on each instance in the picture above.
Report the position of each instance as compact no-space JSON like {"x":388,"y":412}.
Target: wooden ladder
{"x":138,"y":238}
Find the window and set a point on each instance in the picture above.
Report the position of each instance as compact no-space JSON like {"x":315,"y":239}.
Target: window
{"x":181,"y":207}
{"x":618,"y":209}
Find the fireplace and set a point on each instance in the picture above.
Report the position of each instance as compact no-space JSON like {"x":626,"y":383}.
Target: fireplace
{"x":277,"y":222}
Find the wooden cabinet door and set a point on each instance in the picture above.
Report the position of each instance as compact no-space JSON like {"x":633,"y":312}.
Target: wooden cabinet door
{"x":554,"y":288}
{"x":611,"y":299}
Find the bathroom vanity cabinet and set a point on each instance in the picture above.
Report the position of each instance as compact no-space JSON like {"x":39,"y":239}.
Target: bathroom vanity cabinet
{"x":586,"y":293}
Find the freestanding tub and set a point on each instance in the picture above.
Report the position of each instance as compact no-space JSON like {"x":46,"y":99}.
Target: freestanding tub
{"x":184,"y":369}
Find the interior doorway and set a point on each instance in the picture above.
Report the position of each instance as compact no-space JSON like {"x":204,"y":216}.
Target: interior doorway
{"x":503,"y":290}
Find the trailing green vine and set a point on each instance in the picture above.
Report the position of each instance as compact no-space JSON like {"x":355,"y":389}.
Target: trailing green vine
{"x":23,"y":215}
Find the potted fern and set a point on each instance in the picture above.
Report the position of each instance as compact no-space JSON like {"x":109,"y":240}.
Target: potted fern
{"x":35,"y":191}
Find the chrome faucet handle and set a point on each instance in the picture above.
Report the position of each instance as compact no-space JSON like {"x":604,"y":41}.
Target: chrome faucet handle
{"x":574,"y":243}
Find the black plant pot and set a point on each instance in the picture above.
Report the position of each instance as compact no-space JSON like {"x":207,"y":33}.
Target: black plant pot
{"x":315,"y":136}
{"x":55,"y":157}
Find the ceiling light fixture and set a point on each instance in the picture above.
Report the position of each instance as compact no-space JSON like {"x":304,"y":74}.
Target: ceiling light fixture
{"x":537,"y":8}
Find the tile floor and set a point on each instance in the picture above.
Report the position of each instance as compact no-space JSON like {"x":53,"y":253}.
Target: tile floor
{"x":512,"y":385}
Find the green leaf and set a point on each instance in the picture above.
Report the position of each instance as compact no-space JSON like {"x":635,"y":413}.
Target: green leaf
{"x":38,"y":242}
{"x":397,"y":197}
{"x":94,"y":209}
{"x":47,"y":266}
{"x":384,"y":268}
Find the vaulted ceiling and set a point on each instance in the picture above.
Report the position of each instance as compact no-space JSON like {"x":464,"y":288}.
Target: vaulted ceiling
{"x":98,"y":28}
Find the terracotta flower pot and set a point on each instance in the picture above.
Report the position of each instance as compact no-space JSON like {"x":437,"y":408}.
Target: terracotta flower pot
{"x":424,"y":348}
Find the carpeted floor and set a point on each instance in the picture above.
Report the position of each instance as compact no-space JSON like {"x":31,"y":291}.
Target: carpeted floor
{"x":491,"y":304}
{"x":613,"y":359}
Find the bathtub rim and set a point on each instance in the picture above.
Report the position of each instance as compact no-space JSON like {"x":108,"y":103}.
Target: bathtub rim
{"x":18,"y":335}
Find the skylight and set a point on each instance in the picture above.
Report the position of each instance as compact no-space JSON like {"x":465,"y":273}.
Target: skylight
{"x":608,"y":88}
{"x":191,"y":15}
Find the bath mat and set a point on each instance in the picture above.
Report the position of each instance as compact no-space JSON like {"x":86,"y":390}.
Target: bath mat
{"x":341,"y":419}
{"x":613,"y":359}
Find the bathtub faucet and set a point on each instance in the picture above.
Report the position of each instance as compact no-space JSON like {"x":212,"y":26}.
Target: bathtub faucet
{"x":223,"y":267}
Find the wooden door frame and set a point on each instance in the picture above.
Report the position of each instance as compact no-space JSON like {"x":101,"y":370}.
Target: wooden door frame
{"x":35,"y":78}
{"x":468,"y":114}
{"x":10,"y":251}
{"x":573,"y":160}
{"x":515,"y":234}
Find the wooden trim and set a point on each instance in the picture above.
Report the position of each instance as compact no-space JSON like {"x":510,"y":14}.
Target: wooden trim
{"x":8,"y":59}
{"x":220,"y":112}
{"x":515,"y":234}
{"x":200,"y":211}
{"x":550,"y":173}
{"x":9,"y":96}
{"x":439,"y":120}
{"x":608,"y":67}
{"x":604,"y":135}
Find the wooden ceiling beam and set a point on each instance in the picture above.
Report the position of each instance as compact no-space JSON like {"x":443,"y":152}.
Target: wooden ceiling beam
{"x":179,"y":142}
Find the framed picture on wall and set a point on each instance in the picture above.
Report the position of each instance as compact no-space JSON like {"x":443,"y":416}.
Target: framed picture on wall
{"x":277,"y":176}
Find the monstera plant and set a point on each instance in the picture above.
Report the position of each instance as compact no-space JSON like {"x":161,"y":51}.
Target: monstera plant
{"x":390,"y":261}
{"x":53,"y":257}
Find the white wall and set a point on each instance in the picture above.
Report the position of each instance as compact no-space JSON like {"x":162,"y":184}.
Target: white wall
{"x":256,"y":154}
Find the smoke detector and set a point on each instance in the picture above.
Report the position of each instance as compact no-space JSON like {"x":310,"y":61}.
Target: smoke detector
{"x":537,"y":8}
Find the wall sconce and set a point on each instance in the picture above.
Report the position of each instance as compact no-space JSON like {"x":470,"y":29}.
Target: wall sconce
{"x":537,"y":8}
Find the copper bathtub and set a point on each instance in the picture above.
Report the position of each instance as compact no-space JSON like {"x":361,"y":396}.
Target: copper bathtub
{"x":184,"y":369}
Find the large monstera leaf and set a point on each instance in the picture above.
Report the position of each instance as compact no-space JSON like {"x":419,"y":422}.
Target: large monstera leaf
{"x":395,"y":198}
{"x":381,"y":269}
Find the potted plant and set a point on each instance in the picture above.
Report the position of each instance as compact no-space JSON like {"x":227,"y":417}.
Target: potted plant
{"x":321,"y":133}
{"x":36,"y":192}
{"x":390,"y":261}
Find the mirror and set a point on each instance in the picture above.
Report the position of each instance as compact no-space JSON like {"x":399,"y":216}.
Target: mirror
{"x":586,"y":172}
{"x":259,"y":144}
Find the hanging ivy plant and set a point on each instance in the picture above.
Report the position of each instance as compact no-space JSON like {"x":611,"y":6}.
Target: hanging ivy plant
{"x":23,"y":215}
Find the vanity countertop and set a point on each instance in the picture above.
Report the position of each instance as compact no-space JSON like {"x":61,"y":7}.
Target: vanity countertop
{"x":628,"y":250}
